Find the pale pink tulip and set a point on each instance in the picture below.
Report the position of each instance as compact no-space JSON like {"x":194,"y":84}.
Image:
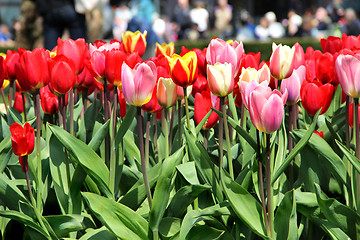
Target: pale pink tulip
{"x":220,"y":78}
{"x":138,"y":83}
{"x":282,"y":61}
{"x":180,"y":92}
{"x":166,"y":92}
{"x":266,"y":109}
{"x":348,"y":71}
{"x":246,"y":88}
{"x":250,"y":74}
{"x":293,"y":85}
{"x":220,"y":51}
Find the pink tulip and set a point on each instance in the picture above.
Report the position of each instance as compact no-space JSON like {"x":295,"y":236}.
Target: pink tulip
{"x":247,"y":88}
{"x":223,"y":52}
{"x":299,"y":56}
{"x":220,"y":78}
{"x":96,"y":65}
{"x":282,"y":61}
{"x":293,"y":85}
{"x":348,"y":71}
{"x":180,"y":92}
{"x":138,"y":83}
{"x":250,"y":74}
{"x":266,"y":109}
{"x":166,"y":92}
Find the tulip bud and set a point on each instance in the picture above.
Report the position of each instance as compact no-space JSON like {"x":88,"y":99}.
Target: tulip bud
{"x":348,"y":71}
{"x":165,"y":49}
{"x":183,"y":69}
{"x":282,"y":61}
{"x":293,"y":85}
{"x":220,"y":78}
{"x":134,"y":42}
{"x":166,"y":92}
{"x":203,"y":104}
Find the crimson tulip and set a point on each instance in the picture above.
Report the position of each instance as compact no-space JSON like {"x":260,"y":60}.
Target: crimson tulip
{"x":76,"y":50}
{"x":18,"y":102}
{"x":22,"y":140}
{"x":200,"y":85}
{"x":351,"y":114}
{"x":332,"y":44}
{"x":12,"y":57}
{"x":315,"y":95}
{"x":204,"y":101}
{"x":2,"y":71}
{"x":62,"y":75}
{"x":49,"y":101}
{"x":351,"y":42}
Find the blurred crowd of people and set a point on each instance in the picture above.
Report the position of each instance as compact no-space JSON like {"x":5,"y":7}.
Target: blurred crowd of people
{"x":42,"y":21}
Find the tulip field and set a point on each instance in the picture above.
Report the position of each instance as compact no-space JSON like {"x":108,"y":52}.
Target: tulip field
{"x":98,"y":143}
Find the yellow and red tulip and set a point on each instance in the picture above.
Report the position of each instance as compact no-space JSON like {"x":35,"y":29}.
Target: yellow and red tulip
{"x":134,"y":42}
{"x":183,"y":69}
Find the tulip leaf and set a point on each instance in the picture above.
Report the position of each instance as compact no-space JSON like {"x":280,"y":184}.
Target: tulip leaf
{"x":285,"y":223}
{"x":5,"y":153}
{"x":169,"y":226}
{"x":14,"y":116}
{"x":10,"y":194}
{"x":163,"y":189}
{"x":188,"y":171}
{"x":239,"y":129}
{"x":125,"y":124}
{"x":203,"y":121}
{"x":204,"y":232}
{"x":101,"y":233}
{"x":64,"y":224}
{"x":118,"y":218}
{"x":246,"y":207}
{"x":305,"y":138}
{"x":194,"y":216}
{"x":93,"y":165}
{"x":350,"y":156}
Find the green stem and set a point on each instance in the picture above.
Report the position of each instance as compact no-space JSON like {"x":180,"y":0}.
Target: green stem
{"x":186,"y":108}
{"x":171,"y":127}
{"x":63,"y":114}
{"x":112,"y":144}
{"x":221,"y":126}
{"x":179,"y":122}
{"x":107,"y":117}
{"x":261,"y":181}
{"x":243,"y":117}
{"x":71,"y":111}
{"x":290,"y":143}
{"x":155,"y":134}
{"x":357,"y":151}
{"x":33,"y":202}
{"x":38,"y":149}
{"x":268,"y":186}
{"x":227,"y":138}
{"x":143,"y":163}
{"x":165,"y":130}
{"x":147,"y":139}
{"x":24,"y":105}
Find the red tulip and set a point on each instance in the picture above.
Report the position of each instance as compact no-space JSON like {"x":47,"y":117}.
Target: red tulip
{"x":122,"y":103}
{"x":2,"y":71}
{"x":331,"y":44}
{"x":62,"y":75}
{"x":320,"y":134}
{"x":201,"y":58}
{"x":32,"y":70}
{"x":166,"y":49}
{"x":134,"y":42}
{"x":315,"y":95}
{"x":200,"y":85}
{"x":351,"y":42}
{"x":49,"y":101}
{"x":113,"y":62}
{"x":22,"y":140}
{"x":183,"y":69}
{"x":203,"y":104}
{"x":153,"y":105}
{"x":75,"y":50}
{"x":351,"y":114}
{"x":18,"y":102}
{"x":321,"y":67}
{"x":12,"y":57}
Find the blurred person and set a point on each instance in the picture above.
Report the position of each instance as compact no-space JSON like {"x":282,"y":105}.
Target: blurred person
{"x":223,"y":17}
{"x":293,"y":24}
{"x":159,"y":27}
{"x":121,"y":20}
{"x":323,"y":19}
{"x":262,"y":30}
{"x":181,"y":19}
{"x":335,"y":10}
{"x":200,"y":16}
{"x":308,"y":26}
{"x":59,"y":15}
{"x":276,"y":30}
{"x":352,"y":23}
{"x":29,"y":35}
{"x":246,"y":29}
{"x":5,"y":36}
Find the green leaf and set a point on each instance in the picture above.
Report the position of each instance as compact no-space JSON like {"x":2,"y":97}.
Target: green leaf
{"x":169,"y":226}
{"x":128,"y":119}
{"x":188,"y":171}
{"x":338,"y":214}
{"x":163,"y":188}
{"x":285,"y":222}
{"x":14,"y":116}
{"x":195,"y":216}
{"x":246,"y":207}
{"x":305,"y":138}
{"x":93,"y":165}
{"x":9,"y":193}
{"x":101,"y":233}
{"x":24,"y":219}
{"x":119,"y":219}
{"x":203,"y":121}
{"x":183,"y":198}
{"x":5,"y":153}
{"x":64,"y":224}
{"x":204,"y":232}
{"x":350,"y":156}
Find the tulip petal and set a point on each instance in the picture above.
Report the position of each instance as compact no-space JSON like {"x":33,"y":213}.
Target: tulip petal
{"x":272,"y":113}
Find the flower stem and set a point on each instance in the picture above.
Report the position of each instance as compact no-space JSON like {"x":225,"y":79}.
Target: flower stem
{"x":107,"y":117}
{"x":261,"y":181}
{"x":147,"y":139}
{"x":221,"y":126}
{"x":155,"y":133}
{"x":84,"y":97}
{"x":71,"y":111}
{"x":290,"y":143}
{"x":347,"y":128}
{"x":143,"y":163}
{"x":33,"y":202}
{"x":11,"y":93}
{"x":4,"y":100}
{"x":179,"y":122}
{"x":268,"y":186}
{"x":186,"y":108}
{"x":227,"y":138}
{"x":171,"y":127}
{"x":38,"y":149}
{"x":165,"y":130}
{"x":63,"y":114}
{"x":112,"y":144}
{"x":24,"y":105}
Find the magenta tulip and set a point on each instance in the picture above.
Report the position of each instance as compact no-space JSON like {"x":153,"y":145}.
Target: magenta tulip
{"x":293,"y":85}
{"x":266,"y":109}
{"x":348,"y":71}
{"x":138,"y":83}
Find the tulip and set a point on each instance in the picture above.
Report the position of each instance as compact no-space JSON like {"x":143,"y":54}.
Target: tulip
{"x":12,"y":57}
{"x":165,"y":49}
{"x":299,"y":56}
{"x":250,"y":60}
{"x":223,"y":52}
{"x":293,"y":84}
{"x":246,"y":89}
{"x":201,"y":58}
{"x":138,"y":83}
{"x":153,"y":105}
{"x":180,"y":92}
{"x":102,"y":46}
{"x":204,"y":101}
{"x":22,"y":140}
{"x":166,"y":92}
{"x":200,"y":85}
{"x":282,"y":61}
{"x":320,"y":134}
{"x":266,"y":109}
{"x":76,"y":50}
{"x":331,"y":44}
{"x":113,"y":61}
{"x":32,"y":69}
{"x":351,"y":114}
{"x":250,"y":74}
{"x":183,"y":69}
{"x":2,"y":71}
{"x":351,"y":42}
{"x":122,"y":103}
{"x":348,"y":71}
{"x":220,"y":78}
{"x":134,"y":42}
{"x":18,"y":102}
{"x":315,"y":95}
{"x":49,"y":101}
{"x":62,"y":75}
